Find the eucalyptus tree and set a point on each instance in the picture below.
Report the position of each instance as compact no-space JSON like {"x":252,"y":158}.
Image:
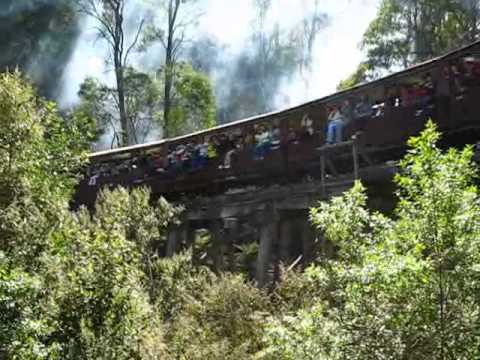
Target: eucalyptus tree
{"x":405,"y":32}
{"x":274,"y":54}
{"x":142,"y":96}
{"x":111,"y":25}
{"x":170,"y":27}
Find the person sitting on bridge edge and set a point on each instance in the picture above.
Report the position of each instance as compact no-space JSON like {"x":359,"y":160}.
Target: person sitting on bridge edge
{"x":228,"y":149}
{"x":276,"y":137}
{"x":307,"y":126}
{"x":336,"y":124}
{"x":200,"y":155}
{"x":263,"y":142}
{"x":363,"y":107}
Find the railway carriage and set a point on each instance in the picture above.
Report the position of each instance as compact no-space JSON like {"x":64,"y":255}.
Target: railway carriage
{"x":282,"y":147}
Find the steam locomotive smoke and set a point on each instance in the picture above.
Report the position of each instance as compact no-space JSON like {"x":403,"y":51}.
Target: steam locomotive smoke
{"x":38,"y":37}
{"x":57,"y":48}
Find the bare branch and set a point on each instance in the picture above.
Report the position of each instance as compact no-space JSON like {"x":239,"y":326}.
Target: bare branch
{"x":135,"y":41}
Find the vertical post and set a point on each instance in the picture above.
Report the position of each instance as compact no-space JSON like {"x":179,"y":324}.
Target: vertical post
{"x":308,"y":239}
{"x":191,"y":234}
{"x":172,"y":241}
{"x":268,"y":226}
{"x":355,"y":159}
{"x":322,"y":171}
{"x":217,"y":244}
{"x":285,"y":238}
{"x":231,"y":233}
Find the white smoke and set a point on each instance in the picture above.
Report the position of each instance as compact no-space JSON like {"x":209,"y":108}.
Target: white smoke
{"x":336,"y":52}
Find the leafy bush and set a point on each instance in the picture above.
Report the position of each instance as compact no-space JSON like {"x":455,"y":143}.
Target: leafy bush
{"x":403,"y":287}
{"x":225,"y":321}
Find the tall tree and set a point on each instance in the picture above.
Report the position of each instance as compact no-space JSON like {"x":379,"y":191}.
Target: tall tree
{"x":194,"y":107}
{"x":142,"y":96}
{"x":275,"y":53}
{"x":172,"y":36}
{"x":110,"y":15}
{"x":405,"y":32}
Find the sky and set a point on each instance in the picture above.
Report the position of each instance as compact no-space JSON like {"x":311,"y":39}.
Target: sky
{"x":336,"y":52}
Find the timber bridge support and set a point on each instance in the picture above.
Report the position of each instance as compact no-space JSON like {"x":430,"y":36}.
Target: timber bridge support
{"x":274,"y":221}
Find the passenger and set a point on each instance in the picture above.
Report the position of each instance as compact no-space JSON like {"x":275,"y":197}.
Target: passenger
{"x":378,"y":109}
{"x":179,"y":156}
{"x":263,"y":142}
{"x":363,"y":108}
{"x":276,"y":138}
{"x":212,"y":147}
{"x":347,"y":111}
{"x":200,"y":155}
{"x":158,"y":162}
{"x":151,"y":168}
{"x":457,"y":81}
{"x":203,"y":152}
{"x":422,"y":95}
{"x":307,"y":126}
{"x":472,"y":71}
{"x":336,"y":124}
{"x":227,"y":147}
{"x":93,"y":179}
{"x":292,"y":137}
{"x":171,"y":160}
{"x":187,"y":156}
{"x":443,"y":82}
{"x":393,"y":97}
{"x":232,"y":153}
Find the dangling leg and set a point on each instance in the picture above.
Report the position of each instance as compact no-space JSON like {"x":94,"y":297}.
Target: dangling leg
{"x":338,"y":131}
{"x":330,"y":132}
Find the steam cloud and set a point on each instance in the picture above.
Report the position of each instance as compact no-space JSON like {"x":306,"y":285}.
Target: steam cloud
{"x":57,"y":47}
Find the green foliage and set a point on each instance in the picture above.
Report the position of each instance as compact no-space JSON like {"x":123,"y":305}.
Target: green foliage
{"x":91,"y":285}
{"x":142,"y":99}
{"x":38,"y":149}
{"x":72,"y":285}
{"x":360,"y":76}
{"x":224,"y":321}
{"x":405,"y":32}
{"x":177,"y":282}
{"x":93,"y":278}
{"x":194,"y":105}
{"x":301,"y":290}
{"x":40,"y":154}
{"x":401,"y":287}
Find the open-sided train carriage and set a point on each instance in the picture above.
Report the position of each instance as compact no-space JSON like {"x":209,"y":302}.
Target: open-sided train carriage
{"x":281,"y":147}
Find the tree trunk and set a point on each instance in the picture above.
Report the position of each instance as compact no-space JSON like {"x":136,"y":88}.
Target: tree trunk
{"x":168,"y":99}
{"x":126,"y":140}
{"x":170,"y":50}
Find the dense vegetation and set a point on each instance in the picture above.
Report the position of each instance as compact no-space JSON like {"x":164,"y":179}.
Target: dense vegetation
{"x":90,"y":285}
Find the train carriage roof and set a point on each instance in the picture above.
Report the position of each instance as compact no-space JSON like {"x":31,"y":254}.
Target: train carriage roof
{"x":418,"y":68}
